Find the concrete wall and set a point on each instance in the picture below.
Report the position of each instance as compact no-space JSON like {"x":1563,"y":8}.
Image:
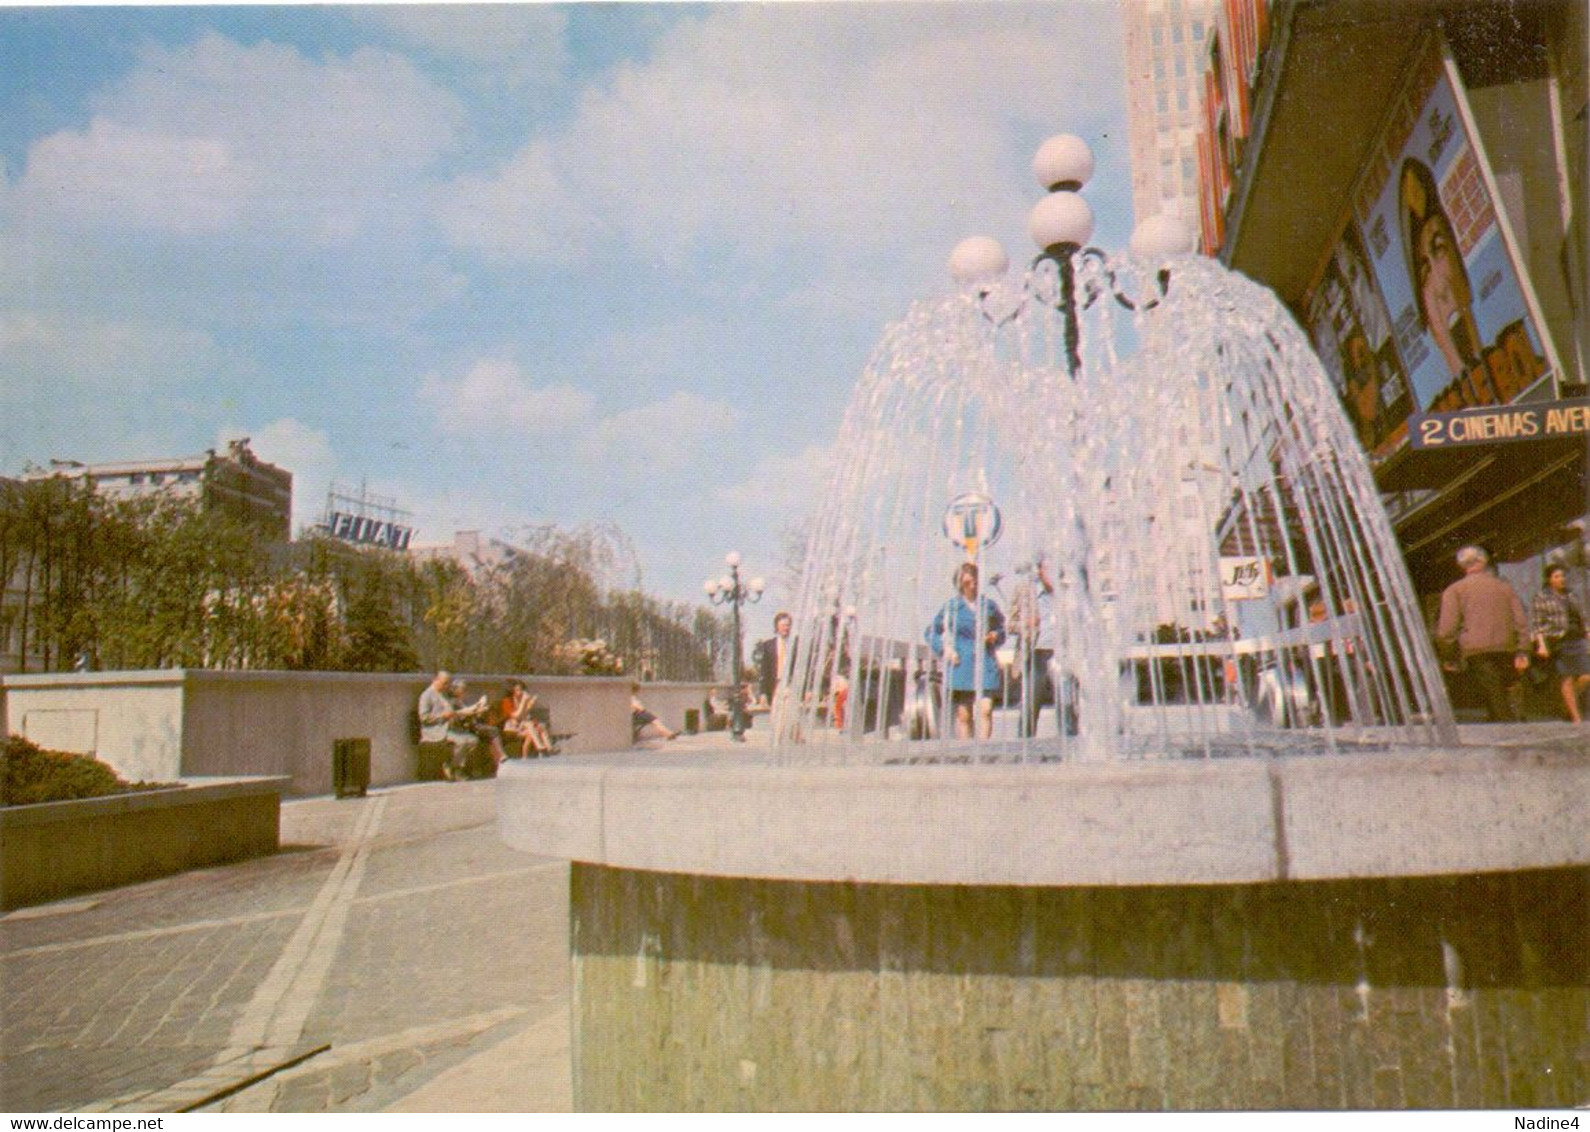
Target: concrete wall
{"x":60,"y":848}
{"x":130,"y":720}
{"x":669,"y":701}
{"x":165,"y":725}
{"x":285,"y":723}
{"x":707,"y":993}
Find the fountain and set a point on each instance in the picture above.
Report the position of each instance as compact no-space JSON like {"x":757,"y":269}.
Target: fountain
{"x":1222,"y":575}
{"x":1238,"y":856}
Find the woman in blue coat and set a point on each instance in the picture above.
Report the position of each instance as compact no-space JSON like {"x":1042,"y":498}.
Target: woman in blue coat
{"x":972,"y":671}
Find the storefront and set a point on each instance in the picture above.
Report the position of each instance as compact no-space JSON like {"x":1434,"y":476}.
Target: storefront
{"x":1410,"y":180}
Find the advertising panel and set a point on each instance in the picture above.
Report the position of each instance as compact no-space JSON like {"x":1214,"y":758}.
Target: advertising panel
{"x":1420,"y":306}
{"x":367,"y":530}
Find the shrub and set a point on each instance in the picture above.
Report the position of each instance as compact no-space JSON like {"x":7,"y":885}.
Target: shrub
{"x":29,"y":775}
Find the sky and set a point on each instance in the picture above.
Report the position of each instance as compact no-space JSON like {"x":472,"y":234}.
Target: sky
{"x":521,"y":263}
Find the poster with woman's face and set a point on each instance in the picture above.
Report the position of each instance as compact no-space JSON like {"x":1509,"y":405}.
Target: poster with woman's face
{"x":1419,"y":307}
{"x":1461,"y":321}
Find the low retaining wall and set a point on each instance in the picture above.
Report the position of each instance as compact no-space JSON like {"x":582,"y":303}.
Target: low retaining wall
{"x":57,"y":849}
{"x":180,"y":723}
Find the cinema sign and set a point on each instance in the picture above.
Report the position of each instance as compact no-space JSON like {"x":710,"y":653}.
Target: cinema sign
{"x":1499,"y":424}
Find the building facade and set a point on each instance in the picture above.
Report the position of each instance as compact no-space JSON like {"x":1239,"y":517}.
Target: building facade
{"x":235,"y":482}
{"x":1410,"y":180}
{"x":1166,"y":46}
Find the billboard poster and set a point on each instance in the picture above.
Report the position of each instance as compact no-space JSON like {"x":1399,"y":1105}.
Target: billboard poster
{"x":1420,"y":306}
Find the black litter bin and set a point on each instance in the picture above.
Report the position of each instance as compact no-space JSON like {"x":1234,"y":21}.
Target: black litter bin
{"x":692,"y":720}
{"x":350,"y":767}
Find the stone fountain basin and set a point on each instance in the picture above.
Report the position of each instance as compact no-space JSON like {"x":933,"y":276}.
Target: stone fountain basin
{"x":1236,"y":820}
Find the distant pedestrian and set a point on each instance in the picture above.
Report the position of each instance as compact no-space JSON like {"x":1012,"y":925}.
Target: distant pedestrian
{"x":1560,"y":637}
{"x":1483,"y":632}
{"x":772,"y":656}
{"x":964,"y":634}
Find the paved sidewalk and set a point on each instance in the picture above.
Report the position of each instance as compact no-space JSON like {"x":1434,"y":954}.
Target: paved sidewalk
{"x":395,"y":955}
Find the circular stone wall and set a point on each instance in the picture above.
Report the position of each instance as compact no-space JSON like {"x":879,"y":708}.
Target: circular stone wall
{"x":711,"y":994}
{"x":1381,"y":929}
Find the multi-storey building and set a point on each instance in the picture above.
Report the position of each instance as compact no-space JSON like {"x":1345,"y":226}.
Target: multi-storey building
{"x":235,"y":481}
{"x":1165,"y":62}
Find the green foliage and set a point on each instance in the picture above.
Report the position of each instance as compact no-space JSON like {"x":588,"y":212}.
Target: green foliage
{"x":156,"y":582}
{"x":29,"y":775}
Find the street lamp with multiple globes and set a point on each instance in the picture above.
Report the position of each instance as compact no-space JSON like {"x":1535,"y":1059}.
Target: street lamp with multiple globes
{"x":731,"y":591}
{"x":1061,"y":225}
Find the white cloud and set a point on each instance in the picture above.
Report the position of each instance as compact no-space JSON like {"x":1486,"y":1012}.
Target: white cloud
{"x":494,"y":396}
{"x":216,"y":135}
{"x":758,"y":128}
{"x":516,"y":45}
{"x":118,"y":174}
{"x":784,"y":481}
{"x":48,"y":350}
{"x":657,"y":438}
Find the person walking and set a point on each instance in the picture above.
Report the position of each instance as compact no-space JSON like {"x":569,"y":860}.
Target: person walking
{"x":1482,"y":631}
{"x":1560,"y":637}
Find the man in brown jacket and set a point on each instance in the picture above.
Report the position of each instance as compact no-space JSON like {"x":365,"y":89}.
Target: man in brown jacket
{"x":1482,"y":623}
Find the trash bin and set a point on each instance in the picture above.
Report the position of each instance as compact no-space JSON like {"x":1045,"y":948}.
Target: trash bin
{"x":350,"y":767}
{"x":692,"y":720}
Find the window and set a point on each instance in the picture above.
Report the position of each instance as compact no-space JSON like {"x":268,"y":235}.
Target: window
{"x":1159,"y":71}
{"x":1181,"y":100}
{"x":1161,"y":103}
{"x":1175,"y":34}
{"x":136,"y":478}
{"x":1198,"y":31}
{"x":1181,"y":68}
{"x":1158,"y":37}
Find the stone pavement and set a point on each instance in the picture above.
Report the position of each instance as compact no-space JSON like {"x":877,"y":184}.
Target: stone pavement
{"x":395,"y":955}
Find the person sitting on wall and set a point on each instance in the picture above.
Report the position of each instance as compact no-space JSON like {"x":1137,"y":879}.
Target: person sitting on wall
{"x":472,"y":718}
{"x":513,"y":711}
{"x":442,"y":721}
{"x":644,"y":724}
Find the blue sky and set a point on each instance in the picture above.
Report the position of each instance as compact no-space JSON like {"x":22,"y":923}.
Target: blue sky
{"x":514,"y":263}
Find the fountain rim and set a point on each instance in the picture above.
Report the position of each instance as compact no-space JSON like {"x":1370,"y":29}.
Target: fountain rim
{"x":1235,"y":820}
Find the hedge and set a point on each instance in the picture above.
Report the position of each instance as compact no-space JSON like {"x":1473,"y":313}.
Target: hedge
{"x":29,"y":775}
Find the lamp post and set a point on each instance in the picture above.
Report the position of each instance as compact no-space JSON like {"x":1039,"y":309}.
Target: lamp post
{"x":731,"y":591}
{"x":1061,"y":225}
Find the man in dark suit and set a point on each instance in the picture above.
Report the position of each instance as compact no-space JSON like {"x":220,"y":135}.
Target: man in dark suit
{"x":771,"y":657}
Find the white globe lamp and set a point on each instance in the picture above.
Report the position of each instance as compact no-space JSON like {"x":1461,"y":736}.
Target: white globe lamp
{"x":978,"y":260}
{"x":1161,"y":237}
{"x":1059,"y":220}
{"x":1063,"y":162}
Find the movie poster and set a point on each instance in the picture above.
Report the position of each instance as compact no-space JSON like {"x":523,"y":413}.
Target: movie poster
{"x":1420,"y":306}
